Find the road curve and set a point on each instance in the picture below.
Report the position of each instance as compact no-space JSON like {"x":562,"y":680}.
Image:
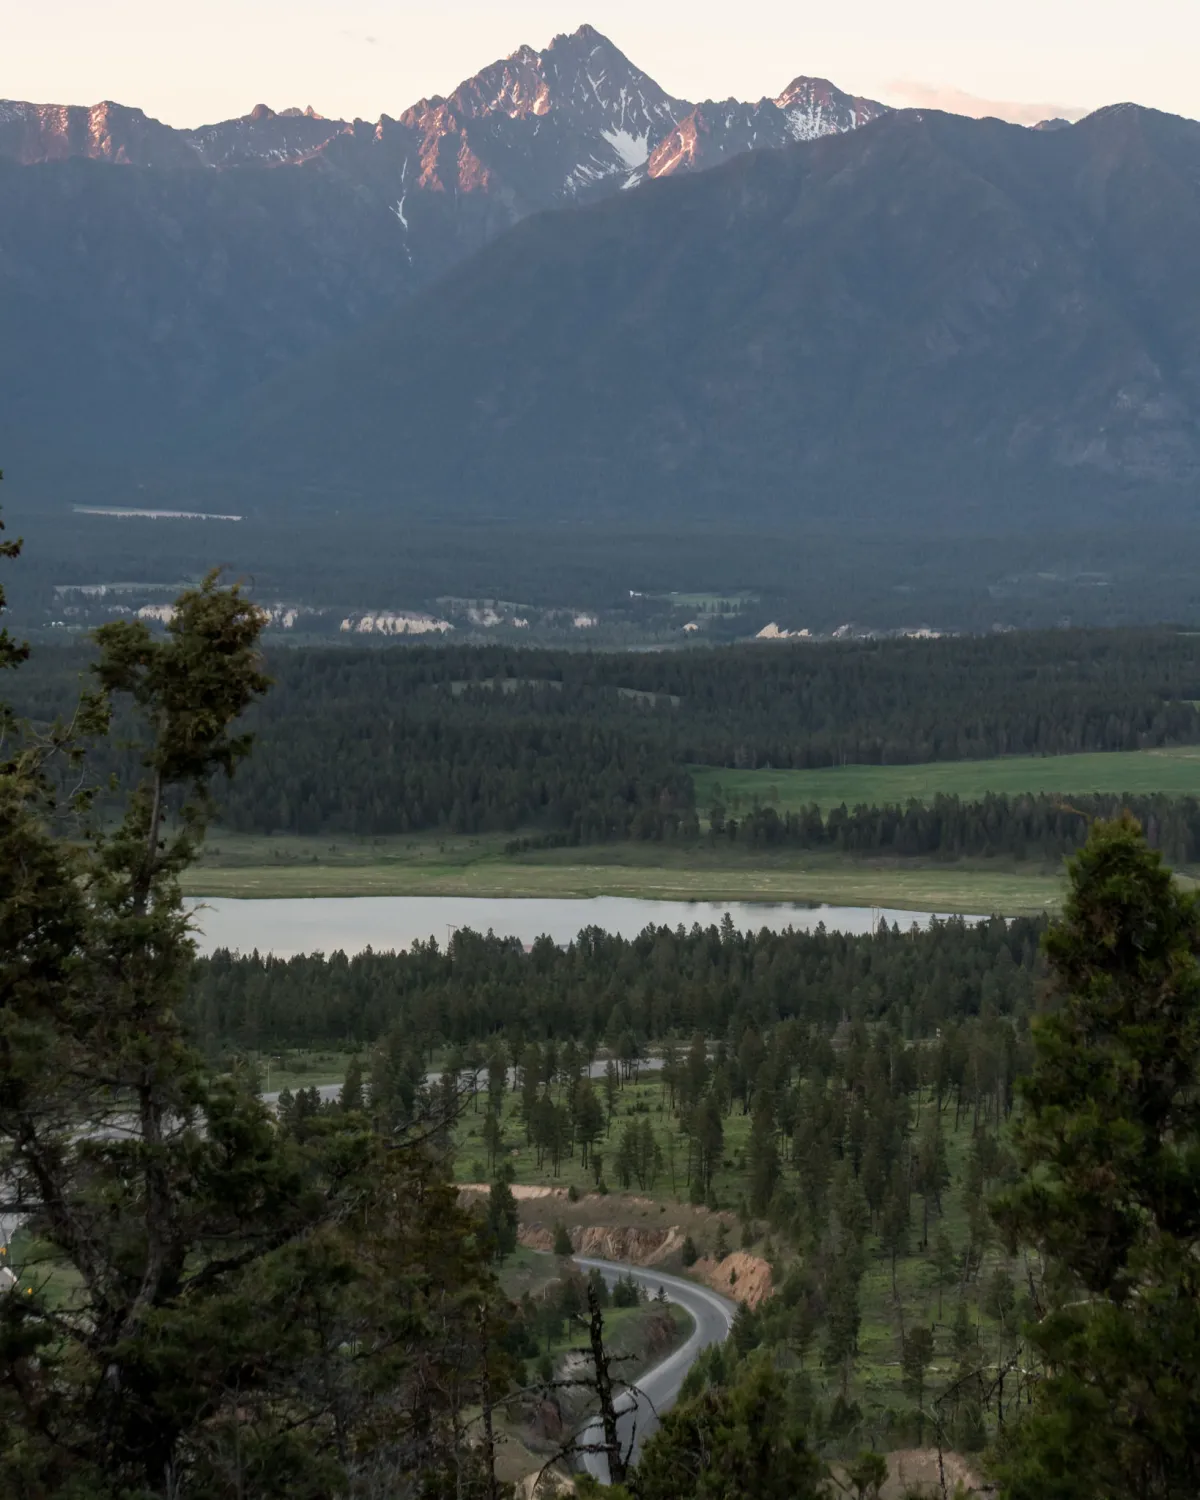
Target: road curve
{"x":713,"y":1317}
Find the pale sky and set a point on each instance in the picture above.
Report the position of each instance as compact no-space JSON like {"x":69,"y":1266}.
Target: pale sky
{"x":193,"y":63}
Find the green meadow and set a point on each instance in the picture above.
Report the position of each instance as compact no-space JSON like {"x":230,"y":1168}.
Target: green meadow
{"x":1175,"y":771}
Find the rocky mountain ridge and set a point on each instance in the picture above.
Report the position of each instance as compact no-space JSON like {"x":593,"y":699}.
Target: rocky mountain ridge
{"x":936,"y":317}
{"x":34,"y":134}
{"x":570,"y":122}
{"x":151,"y":275}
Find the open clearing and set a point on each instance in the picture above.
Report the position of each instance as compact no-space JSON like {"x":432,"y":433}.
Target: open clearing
{"x":1175,"y":770}
{"x":465,"y":865}
{"x":274,"y":867}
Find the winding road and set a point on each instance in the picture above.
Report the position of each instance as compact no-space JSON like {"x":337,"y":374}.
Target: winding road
{"x":713,"y":1317}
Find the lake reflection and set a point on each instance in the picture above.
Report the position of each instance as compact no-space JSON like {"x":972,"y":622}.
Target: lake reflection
{"x":323,"y":924}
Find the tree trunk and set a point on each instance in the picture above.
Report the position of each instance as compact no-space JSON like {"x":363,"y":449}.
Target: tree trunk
{"x":604,"y":1391}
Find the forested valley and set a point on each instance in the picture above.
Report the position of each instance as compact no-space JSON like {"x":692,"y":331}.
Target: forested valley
{"x":575,"y":748}
{"x":960,"y":1164}
{"x":602,"y":988}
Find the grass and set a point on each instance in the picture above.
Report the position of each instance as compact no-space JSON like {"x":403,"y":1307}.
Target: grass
{"x":1175,"y":770}
{"x":877,"y":1384}
{"x":248,"y":866}
{"x":299,"y":1069}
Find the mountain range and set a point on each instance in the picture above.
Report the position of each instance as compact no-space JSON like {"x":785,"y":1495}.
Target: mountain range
{"x":525,"y":300}
{"x":149,"y":274}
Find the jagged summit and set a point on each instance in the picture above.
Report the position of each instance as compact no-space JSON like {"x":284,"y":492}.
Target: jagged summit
{"x":570,"y":122}
{"x":816,"y":107}
{"x":807,"y":109}
{"x":356,"y":214}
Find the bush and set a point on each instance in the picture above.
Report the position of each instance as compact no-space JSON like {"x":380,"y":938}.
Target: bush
{"x":572,"y":1194}
{"x":690,"y":1254}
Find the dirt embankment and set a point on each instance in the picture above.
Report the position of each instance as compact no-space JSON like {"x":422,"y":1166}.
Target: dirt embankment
{"x":637,"y":1247}
{"x":522,"y":1192}
{"x":627,"y":1227}
{"x":740,"y":1276}
{"x":917,"y":1471}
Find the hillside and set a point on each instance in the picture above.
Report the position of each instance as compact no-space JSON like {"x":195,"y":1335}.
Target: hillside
{"x":913,"y":320}
{"x":148,"y":274}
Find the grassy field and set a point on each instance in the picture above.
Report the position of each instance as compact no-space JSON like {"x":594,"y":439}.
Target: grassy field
{"x":461,"y":865}
{"x":1175,"y":770}
{"x":261,"y":867}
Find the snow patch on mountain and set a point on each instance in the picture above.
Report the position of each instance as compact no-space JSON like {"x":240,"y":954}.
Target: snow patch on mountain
{"x":634,"y":150}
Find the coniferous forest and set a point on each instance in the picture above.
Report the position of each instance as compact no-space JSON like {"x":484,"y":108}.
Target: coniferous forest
{"x":578,"y":748}
{"x":961,"y":1164}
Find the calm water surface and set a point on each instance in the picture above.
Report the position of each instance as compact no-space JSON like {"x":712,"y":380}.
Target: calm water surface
{"x":324,"y":924}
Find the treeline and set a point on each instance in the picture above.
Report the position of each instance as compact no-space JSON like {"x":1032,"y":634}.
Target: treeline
{"x":595,"y":746}
{"x":1043,"y":826}
{"x":604,"y":988}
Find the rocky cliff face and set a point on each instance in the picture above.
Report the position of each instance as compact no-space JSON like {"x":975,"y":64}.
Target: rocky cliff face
{"x":569,"y":123}
{"x":807,"y":109}
{"x":35,"y":133}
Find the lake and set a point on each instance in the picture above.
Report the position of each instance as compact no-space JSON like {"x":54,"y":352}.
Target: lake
{"x":324,"y":924}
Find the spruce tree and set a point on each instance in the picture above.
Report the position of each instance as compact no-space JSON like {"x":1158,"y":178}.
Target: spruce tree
{"x":1109,"y":1144}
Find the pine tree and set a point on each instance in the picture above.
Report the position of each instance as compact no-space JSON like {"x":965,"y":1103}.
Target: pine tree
{"x":1109,"y":1146}
{"x":762,"y":1154}
{"x":502,"y":1218}
{"x":916,"y":1355}
{"x":353,"y":1098}
{"x":203,"y":1266}
{"x":895,"y":1221}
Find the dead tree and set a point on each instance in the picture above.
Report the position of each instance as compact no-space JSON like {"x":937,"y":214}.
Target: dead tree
{"x":617,"y":1462}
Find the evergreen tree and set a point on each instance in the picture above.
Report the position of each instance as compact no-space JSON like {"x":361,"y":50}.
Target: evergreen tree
{"x":589,"y":1119}
{"x":353,"y":1097}
{"x":895,"y":1221}
{"x":737,"y":1443}
{"x":842,"y":1322}
{"x":916,"y":1355}
{"x":202,"y":1270}
{"x":762,"y":1153}
{"x":1109,"y":1146}
{"x":502,"y":1218}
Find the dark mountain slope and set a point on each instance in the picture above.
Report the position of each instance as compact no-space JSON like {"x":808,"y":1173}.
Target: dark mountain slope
{"x":131,"y":297}
{"x":148,"y":273}
{"x":919,"y":319}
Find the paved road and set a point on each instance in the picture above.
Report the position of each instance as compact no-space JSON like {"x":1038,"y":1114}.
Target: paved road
{"x":330,"y":1091}
{"x":713,"y":1317}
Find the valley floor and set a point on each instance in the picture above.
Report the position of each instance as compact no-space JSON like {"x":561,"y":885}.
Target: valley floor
{"x":247,"y":866}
